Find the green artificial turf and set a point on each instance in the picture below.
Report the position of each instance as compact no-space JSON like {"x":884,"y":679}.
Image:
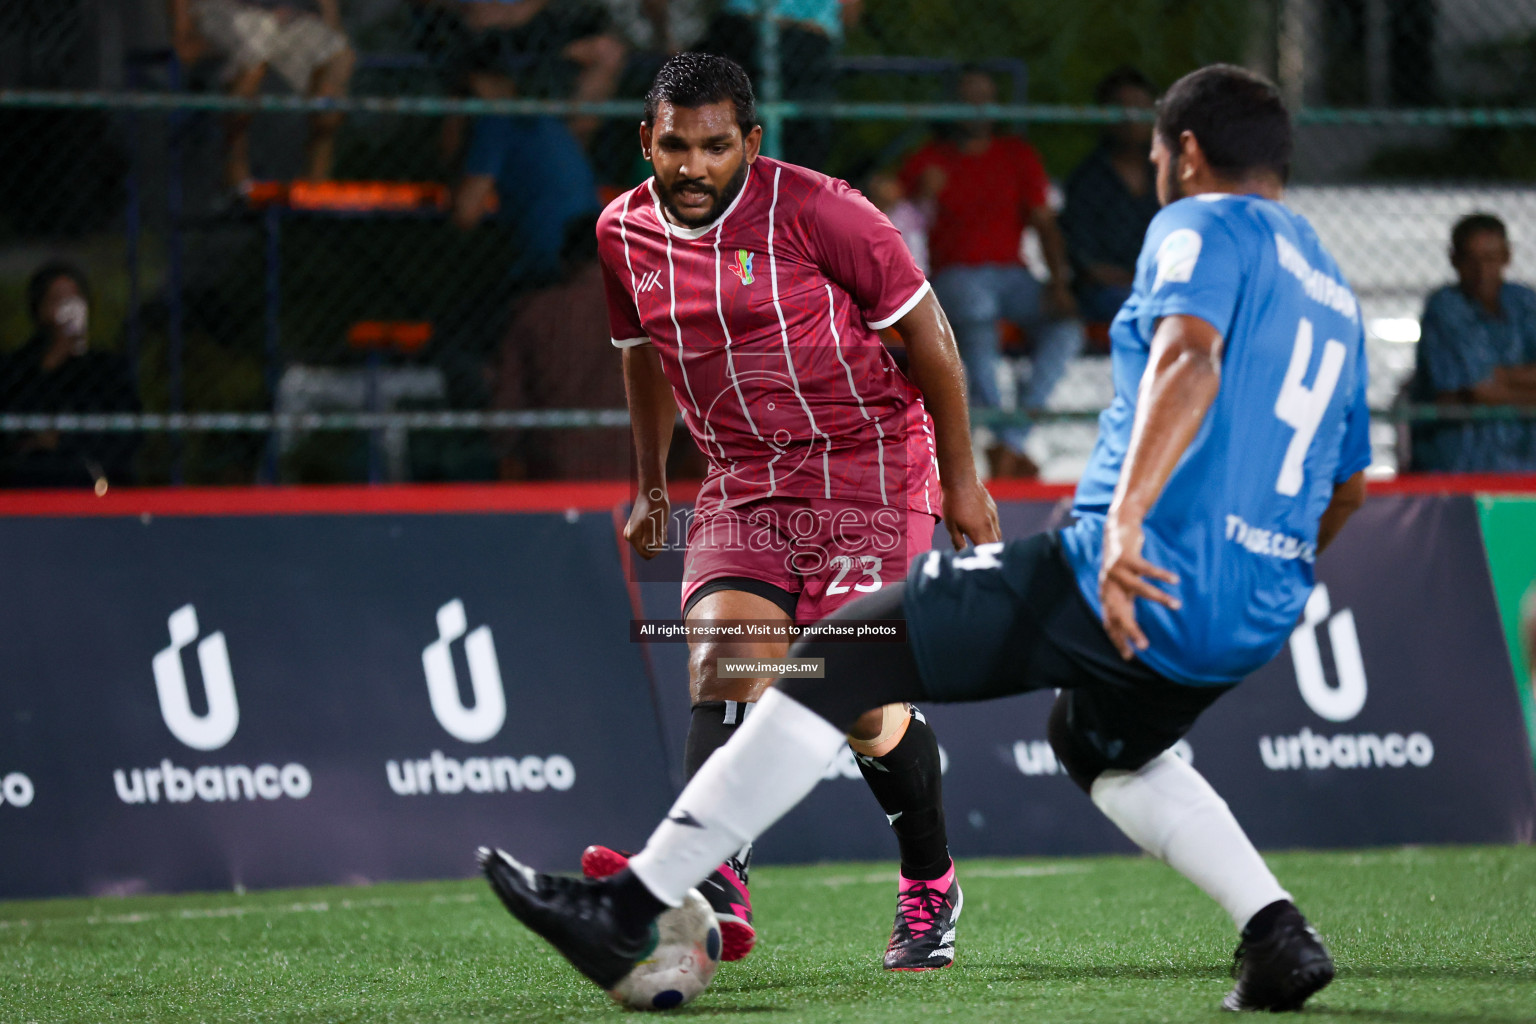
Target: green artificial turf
{"x":1422,"y":936}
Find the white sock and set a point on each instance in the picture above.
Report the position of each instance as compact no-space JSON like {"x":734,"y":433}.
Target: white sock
{"x":770,"y":765}
{"x":1173,"y":813}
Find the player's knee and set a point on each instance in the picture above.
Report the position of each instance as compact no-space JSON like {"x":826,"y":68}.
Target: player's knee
{"x":877,"y":732}
{"x":705,"y":682}
{"x":1074,"y":753}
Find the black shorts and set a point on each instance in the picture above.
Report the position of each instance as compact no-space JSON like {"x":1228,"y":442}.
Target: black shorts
{"x":992,"y":623}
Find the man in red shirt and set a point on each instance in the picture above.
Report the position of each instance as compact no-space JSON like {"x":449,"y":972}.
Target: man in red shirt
{"x":747,"y":293}
{"x":986,"y":189}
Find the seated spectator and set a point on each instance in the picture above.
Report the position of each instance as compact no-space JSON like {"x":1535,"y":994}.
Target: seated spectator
{"x":541,"y":181}
{"x":56,"y":372}
{"x":985,"y":189}
{"x":1111,"y":198}
{"x":810,"y":36}
{"x":1478,"y":347}
{"x":658,"y":28}
{"x":912,"y":220}
{"x":496,"y":49}
{"x":556,"y":355}
{"x":302,"y":40}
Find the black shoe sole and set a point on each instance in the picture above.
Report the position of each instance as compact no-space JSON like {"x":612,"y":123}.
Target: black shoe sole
{"x":1303,"y":984}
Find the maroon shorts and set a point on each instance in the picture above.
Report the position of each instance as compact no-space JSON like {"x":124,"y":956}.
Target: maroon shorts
{"x":826,"y":551}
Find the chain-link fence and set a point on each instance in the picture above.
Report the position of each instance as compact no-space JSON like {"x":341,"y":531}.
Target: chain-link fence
{"x":346,"y":240}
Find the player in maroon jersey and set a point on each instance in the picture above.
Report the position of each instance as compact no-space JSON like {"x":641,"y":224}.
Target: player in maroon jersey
{"x":747,"y":293}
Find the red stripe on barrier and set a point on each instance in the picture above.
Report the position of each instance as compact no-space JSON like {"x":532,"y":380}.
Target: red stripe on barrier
{"x":583,"y":496}
{"x":339,"y":500}
{"x":1456,"y":483}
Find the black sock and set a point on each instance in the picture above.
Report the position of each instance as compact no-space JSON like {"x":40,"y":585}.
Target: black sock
{"x":713,"y":723}
{"x":634,"y":906}
{"x":1261,"y":924}
{"x":908,"y":783}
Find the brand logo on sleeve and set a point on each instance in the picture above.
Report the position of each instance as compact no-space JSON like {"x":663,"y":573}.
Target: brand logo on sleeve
{"x":1177,"y":256}
{"x":742,"y":268}
{"x":648,"y":282}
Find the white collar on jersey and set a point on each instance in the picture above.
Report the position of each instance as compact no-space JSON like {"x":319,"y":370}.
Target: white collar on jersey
{"x":696,"y":233}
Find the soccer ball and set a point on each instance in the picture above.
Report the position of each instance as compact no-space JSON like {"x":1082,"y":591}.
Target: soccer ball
{"x":680,"y":964}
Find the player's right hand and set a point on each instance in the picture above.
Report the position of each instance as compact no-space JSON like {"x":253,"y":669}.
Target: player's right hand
{"x":969,"y":511}
{"x":646,"y":530}
{"x":1125,"y":576}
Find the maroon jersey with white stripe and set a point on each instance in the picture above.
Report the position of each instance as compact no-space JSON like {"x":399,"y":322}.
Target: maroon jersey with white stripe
{"x":766,"y":324}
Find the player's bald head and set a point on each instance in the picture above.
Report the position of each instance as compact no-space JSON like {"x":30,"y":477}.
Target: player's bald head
{"x":700,"y":80}
{"x":1236,"y":116}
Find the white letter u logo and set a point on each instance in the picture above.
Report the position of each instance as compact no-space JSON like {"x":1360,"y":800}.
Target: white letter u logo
{"x":217,"y":727}
{"x":1335,"y":703}
{"x":485,"y":719}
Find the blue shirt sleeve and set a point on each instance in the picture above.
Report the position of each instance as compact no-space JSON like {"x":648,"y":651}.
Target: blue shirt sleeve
{"x":1454,"y":353}
{"x":490,"y":142}
{"x":1192,"y":264}
{"x":1521,"y":307}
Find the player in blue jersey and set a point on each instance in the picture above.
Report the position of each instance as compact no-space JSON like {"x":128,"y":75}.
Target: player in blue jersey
{"x":1232,"y":455}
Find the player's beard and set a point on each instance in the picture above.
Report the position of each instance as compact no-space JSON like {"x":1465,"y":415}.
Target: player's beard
{"x":723,"y":198}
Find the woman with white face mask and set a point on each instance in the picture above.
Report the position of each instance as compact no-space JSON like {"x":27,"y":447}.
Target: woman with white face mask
{"x":55,"y":372}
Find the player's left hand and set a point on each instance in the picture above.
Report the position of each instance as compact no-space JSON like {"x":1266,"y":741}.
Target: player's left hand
{"x":1126,"y":576}
{"x":969,"y":511}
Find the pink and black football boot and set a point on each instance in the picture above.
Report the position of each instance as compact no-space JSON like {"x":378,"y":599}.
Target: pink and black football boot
{"x":924,"y":936}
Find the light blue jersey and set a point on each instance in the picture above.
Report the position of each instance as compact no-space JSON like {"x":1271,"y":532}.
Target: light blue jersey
{"x":1238,"y":518}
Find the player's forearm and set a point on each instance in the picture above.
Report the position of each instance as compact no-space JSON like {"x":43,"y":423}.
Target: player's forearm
{"x":1182,"y":377}
{"x":330,"y":12}
{"x":1497,"y":390}
{"x":1346,"y":501}
{"x":1053,"y":246}
{"x":933,"y":362}
{"x":652,"y":414}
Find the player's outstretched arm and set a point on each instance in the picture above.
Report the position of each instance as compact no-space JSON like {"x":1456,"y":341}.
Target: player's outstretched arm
{"x":1181,"y":380}
{"x":652,"y":414}
{"x":1346,"y":501}
{"x":934,"y":363}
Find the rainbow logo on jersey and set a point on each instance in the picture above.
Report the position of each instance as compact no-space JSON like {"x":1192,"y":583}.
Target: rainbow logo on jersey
{"x":743,"y":266}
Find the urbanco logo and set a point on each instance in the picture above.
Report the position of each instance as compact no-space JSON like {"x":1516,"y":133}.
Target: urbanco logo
{"x":1335,"y":703}
{"x":447,"y":775}
{"x":16,"y":790}
{"x":200,"y":732}
{"x":483,"y":721}
{"x":178,"y":784}
{"x":1341,"y":703}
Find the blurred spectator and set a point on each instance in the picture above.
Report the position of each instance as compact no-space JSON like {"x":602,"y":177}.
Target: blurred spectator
{"x":540,"y":179}
{"x":1478,"y":347}
{"x":658,"y":27}
{"x":911,"y":219}
{"x":556,"y":355}
{"x":495,"y":49}
{"x":56,"y":372}
{"x":810,"y":36}
{"x":302,"y":40}
{"x":1111,"y":198}
{"x":985,"y":189}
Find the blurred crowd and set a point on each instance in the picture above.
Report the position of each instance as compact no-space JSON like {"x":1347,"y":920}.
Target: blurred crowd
{"x":1030,"y":262}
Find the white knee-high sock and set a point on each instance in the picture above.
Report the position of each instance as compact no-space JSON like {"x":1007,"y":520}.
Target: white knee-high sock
{"x":768,"y":767}
{"x":1173,"y":813}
